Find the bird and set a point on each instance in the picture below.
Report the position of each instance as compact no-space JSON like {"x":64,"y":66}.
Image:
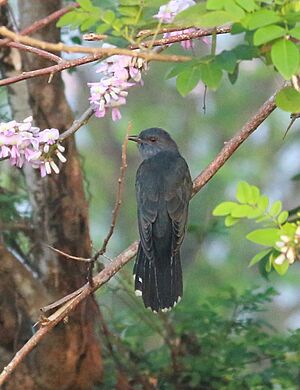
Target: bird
{"x":163,"y":191}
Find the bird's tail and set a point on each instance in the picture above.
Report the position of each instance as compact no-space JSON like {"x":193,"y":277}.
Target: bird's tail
{"x":158,"y":282}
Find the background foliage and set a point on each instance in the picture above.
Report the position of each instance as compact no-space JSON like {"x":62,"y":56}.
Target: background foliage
{"x":231,"y":330}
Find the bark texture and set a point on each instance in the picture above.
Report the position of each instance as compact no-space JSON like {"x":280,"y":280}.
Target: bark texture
{"x":70,"y":357}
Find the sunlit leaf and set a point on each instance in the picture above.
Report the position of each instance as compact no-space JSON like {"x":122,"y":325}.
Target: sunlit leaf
{"x":267,"y":34}
{"x":187,"y":80}
{"x":288,"y":99}
{"x":285,"y":57}
{"x":267,"y":237}
{"x":224,"y":208}
{"x":275,"y":208}
{"x":259,"y":256}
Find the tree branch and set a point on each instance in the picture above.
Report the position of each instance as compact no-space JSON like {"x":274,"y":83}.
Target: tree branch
{"x":42,"y":22}
{"x":111,"y":269}
{"x":39,"y":52}
{"x":90,"y":50}
{"x":182,"y":36}
{"x":230,"y":147}
{"x":62,"y":65}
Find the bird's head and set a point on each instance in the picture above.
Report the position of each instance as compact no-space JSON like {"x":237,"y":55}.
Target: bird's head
{"x":152,"y":141}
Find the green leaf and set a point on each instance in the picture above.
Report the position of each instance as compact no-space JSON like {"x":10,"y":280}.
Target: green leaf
{"x":245,"y":52}
{"x":255,"y":213}
{"x":262,"y":18}
{"x":234,"y":10}
{"x":243,"y":192}
{"x":129,"y":11}
{"x":214,"y":4}
{"x":269,"y":264}
{"x":234,"y":76}
{"x":85,"y":4}
{"x":190,"y":15}
{"x":88,"y":23}
{"x":237,"y":28}
{"x":267,"y":237}
{"x":102,"y":28}
{"x":267,"y":34}
{"x":187,"y":80}
{"x":223,"y":208}
{"x":282,"y":217}
{"x":285,"y":57}
{"x":214,"y":19}
{"x":295,"y":32}
{"x":179,"y":68}
{"x":230,"y":221}
{"x":211,"y":74}
{"x":263,"y":202}
{"x":275,"y":208}
{"x":69,"y":18}
{"x":241,"y":211}
{"x":108,"y":17}
{"x":259,"y":256}
{"x":248,"y":5}
{"x":288,"y":99}
{"x":117,"y":24}
{"x":281,"y":269}
{"x":133,"y":3}
{"x":227,"y":60}
{"x":254,"y":196}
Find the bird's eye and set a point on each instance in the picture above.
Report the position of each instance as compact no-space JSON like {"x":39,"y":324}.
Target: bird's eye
{"x":153,"y":139}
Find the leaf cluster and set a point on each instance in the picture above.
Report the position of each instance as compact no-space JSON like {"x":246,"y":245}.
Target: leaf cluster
{"x":219,"y":344}
{"x":270,"y":32}
{"x":120,"y":19}
{"x":253,"y":205}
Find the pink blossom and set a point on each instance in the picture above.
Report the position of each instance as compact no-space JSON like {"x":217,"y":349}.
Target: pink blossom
{"x":21,"y":143}
{"x":120,"y":73}
{"x":49,"y":136}
{"x":167,"y":12}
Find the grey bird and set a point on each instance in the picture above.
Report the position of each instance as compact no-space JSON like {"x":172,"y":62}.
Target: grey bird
{"x":163,"y":191}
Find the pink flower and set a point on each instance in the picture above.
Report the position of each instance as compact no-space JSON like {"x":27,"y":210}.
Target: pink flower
{"x":22,"y":143}
{"x":120,"y":73}
{"x":48,"y":136}
{"x":167,"y":12}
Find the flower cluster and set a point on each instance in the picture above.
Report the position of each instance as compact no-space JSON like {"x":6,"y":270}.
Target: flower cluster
{"x":167,"y":13}
{"x":119,"y":72}
{"x":21,"y":142}
{"x":288,"y":246}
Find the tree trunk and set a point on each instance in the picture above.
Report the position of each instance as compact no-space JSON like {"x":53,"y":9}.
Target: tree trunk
{"x":69,"y":357}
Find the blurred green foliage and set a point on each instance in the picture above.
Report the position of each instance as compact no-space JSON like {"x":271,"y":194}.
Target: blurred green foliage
{"x":222,"y":344}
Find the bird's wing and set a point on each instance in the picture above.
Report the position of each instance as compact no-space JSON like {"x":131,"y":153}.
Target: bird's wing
{"x":179,"y":189}
{"x":147,"y":192}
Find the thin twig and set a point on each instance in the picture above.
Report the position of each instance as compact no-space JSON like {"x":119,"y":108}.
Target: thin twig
{"x":81,"y":121}
{"x":93,"y":37}
{"x":107,"y":51}
{"x":117,"y":207}
{"x":64,"y":64}
{"x":111,"y":269}
{"x":84,"y":259}
{"x":182,"y":36}
{"x":34,"y":50}
{"x":120,"y":189}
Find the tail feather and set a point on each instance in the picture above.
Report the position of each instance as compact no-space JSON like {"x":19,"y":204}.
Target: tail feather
{"x":159,"y":282}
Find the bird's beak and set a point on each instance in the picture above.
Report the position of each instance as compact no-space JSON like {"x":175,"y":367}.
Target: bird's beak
{"x":135,"y":138}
